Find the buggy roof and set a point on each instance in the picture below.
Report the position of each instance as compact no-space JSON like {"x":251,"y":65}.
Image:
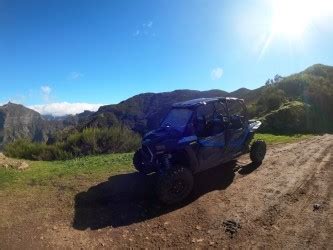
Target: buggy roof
{"x":202,"y":101}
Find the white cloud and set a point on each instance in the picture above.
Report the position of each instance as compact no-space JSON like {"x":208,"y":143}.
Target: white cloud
{"x":75,"y":75}
{"x":64,"y":108}
{"x":144,"y":30}
{"x":46,"y":91}
{"x":149,"y":24}
{"x":216,"y":73}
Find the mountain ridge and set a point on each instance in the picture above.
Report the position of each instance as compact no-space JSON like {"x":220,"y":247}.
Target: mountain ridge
{"x":18,"y":121}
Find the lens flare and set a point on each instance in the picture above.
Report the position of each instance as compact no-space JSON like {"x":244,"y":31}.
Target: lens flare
{"x":292,"y":19}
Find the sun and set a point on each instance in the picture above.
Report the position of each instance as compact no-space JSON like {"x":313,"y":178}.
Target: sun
{"x":295,"y":20}
{"x":291,"y":18}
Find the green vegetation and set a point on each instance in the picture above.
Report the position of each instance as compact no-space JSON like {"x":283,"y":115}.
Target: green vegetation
{"x":300,"y":103}
{"x":91,"y":141}
{"x":45,"y":173}
{"x":291,"y":117}
{"x":270,"y":99}
{"x":273,"y":139}
{"x":25,"y":149}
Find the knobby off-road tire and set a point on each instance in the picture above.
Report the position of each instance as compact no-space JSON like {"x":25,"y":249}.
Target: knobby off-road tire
{"x":138,"y":161}
{"x":258,"y":151}
{"x":174,"y":185}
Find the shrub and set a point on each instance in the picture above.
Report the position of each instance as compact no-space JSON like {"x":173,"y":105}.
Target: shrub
{"x":35,"y":151}
{"x":293,"y":117}
{"x":117,"y":139}
{"x":271,"y":98}
{"x":90,"y":141}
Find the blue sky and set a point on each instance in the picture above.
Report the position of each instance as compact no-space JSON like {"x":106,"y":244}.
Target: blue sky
{"x":65,"y":52}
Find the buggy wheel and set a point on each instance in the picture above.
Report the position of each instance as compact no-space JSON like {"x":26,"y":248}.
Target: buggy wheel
{"x":174,"y":185}
{"x":138,"y":161}
{"x":258,"y":151}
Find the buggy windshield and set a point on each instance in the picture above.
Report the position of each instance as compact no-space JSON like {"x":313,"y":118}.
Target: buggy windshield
{"x":177,"y":118}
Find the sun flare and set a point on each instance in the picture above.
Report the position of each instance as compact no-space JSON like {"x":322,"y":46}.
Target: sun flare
{"x":291,"y":18}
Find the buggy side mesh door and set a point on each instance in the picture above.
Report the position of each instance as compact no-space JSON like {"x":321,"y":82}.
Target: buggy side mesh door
{"x":237,"y":130}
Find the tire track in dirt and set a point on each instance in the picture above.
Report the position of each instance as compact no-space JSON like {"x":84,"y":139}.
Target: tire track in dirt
{"x":292,"y":207}
{"x":299,"y":196}
{"x":281,"y":184}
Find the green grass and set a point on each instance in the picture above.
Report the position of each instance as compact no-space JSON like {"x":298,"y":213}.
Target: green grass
{"x":45,"y":173}
{"x":273,"y":139}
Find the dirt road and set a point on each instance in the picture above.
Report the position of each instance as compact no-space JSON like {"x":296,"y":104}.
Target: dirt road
{"x":284,"y":202}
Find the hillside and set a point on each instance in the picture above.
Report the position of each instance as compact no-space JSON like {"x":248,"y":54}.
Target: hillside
{"x":302,"y":102}
{"x":313,"y":87}
{"x":17,"y":121}
{"x":144,"y":112}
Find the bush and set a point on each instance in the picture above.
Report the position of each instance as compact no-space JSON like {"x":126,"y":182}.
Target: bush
{"x":117,"y":139}
{"x":91,"y":141}
{"x":35,"y":151}
{"x":293,"y":117}
{"x":271,"y":98}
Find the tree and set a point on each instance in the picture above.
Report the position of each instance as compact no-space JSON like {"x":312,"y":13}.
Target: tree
{"x":271,"y":99}
{"x":277,"y":78}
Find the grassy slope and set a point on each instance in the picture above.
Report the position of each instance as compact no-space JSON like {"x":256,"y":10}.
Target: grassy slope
{"x":89,"y":168}
{"x":273,"y":139}
{"x":43,"y":173}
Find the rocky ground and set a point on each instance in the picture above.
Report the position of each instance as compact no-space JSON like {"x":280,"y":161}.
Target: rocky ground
{"x":285,"y":202}
{"x":6,"y":162}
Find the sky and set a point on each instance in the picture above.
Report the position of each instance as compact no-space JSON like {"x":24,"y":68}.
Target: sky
{"x":65,"y":56}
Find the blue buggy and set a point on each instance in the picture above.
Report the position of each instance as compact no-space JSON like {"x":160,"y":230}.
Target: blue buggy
{"x":194,"y":136}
